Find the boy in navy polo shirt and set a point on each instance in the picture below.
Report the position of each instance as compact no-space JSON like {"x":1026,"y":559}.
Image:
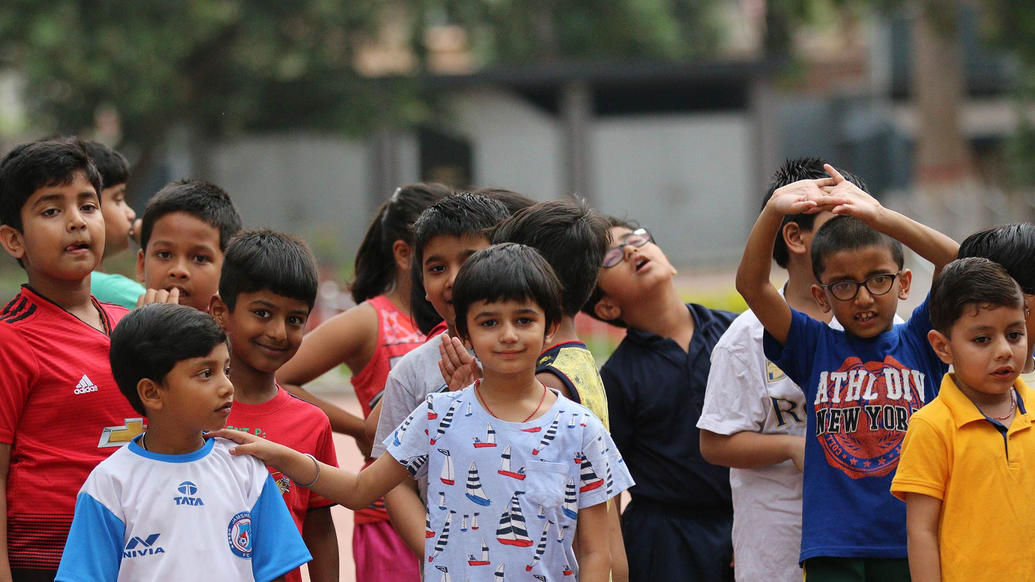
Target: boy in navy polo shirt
{"x":678,"y":526}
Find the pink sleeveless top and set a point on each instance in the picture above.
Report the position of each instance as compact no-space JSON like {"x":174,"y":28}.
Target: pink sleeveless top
{"x":397,"y":334}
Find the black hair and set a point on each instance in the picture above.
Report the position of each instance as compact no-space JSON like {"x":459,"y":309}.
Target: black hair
{"x":573,"y":239}
{"x":792,"y":171}
{"x":597,"y":293}
{"x":375,"y":261}
{"x":112,"y":165}
{"x":972,"y":281}
{"x":506,"y":272}
{"x":40,"y":164}
{"x":458,"y":215}
{"x":203,"y":200}
{"x":1012,"y":246}
{"x":266,"y":260}
{"x":149,"y":341}
{"x":514,"y":201}
{"x":847,"y":233}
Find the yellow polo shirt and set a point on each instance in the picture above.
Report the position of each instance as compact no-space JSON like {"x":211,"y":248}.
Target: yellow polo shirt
{"x":985,"y":478}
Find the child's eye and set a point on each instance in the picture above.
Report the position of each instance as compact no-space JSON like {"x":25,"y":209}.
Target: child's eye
{"x":980,"y":339}
{"x":50,"y":212}
{"x":89,"y":207}
{"x":1015,"y":336}
{"x":202,"y":259}
{"x":525,"y":321}
{"x":435,"y":269}
{"x":164,"y":255}
{"x":206,"y":373}
{"x":487,"y":323}
{"x":226,"y":371}
{"x":261,"y":313}
{"x":296,"y":320}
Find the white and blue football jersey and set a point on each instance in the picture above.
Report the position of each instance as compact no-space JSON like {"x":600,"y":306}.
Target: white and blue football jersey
{"x":204,"y":515}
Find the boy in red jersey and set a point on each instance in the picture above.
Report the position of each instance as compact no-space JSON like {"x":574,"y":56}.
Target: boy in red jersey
{"x":54,"y":340}
{"x":267,"y":288}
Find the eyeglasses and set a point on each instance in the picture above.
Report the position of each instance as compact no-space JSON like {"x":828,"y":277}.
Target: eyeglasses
{"x":876,"y":285}
{"x":634,"y":239}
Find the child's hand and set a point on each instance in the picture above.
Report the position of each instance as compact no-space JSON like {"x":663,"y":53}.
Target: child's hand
{"x":459,"y":369}
{"x":266,"y":451}
{"x":803,"y":197}
{"x":850,"y":199}
{"x":159,"y":296}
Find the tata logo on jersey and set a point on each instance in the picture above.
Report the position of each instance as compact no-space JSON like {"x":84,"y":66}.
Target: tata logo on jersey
{"x":862,"y":413}
{"x":138,"y":547}
{"x":187,"y":494}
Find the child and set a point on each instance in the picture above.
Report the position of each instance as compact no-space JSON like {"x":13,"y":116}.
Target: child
{"x":753,"y":419}
{"x":678,"y":524}
{"x":445,"y":235}
{"x":60,"y":411}
{"x":964,"y":473}
{"x":174,"y":505}
{"x":862,"y":384}
{"x":267,"y":288}
{"x":183,"y":236}
{"x":1013,"y":247}
{"x":507,"y":303}
{"x":119,"y":224}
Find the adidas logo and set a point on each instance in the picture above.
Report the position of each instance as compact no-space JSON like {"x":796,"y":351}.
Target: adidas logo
{"x":85,"y":386}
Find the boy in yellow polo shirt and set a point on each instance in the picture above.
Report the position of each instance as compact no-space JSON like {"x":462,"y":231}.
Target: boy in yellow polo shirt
{"x":963,"y":472}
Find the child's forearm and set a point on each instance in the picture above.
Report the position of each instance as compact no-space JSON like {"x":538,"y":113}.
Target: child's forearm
{"x":322,"y":540}
{"x":407,"y":514}
{"x":922,"y":518}
{"x":756,"y":263}
{"x":749,"y":450}
{"x":935,"y":247}
{"x":5,"y":561}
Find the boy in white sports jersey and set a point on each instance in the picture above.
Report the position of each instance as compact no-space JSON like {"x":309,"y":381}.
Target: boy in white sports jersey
{"x":173,"y":505}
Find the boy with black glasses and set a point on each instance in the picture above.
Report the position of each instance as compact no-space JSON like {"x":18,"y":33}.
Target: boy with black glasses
{"x":862,"y":384}
{"x":678,"y":526}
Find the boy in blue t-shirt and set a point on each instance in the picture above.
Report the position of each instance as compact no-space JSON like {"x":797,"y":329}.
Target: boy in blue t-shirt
{"x":862,"y":384}
{"x":188,"y":508}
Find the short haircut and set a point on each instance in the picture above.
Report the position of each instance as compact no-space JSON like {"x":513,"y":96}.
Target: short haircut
{"x":970,"y":282}
{"x":506,"y":272}
{"x":112,"y":165}
{"x":794,"y":171}
{"x":847,"y":233}
{"x":40,"y":164}
{"x":514,"y":201}
{"x":1012,"y":246}
{"x":203,"y":200}
{"x":458,"y":215}
{"x":570,"y":236}
{"x":266,"y":260}
{"x":597,"y":293}
{"x":149,"y":341}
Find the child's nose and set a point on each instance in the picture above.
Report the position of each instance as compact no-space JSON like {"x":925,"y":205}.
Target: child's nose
{"x":179,"y":269}
{"x":76,"y":221}
{"x":276,"y":329}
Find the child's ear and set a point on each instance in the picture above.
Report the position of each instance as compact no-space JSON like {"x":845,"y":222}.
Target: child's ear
{"x":150,"y":394}
{"x":792,"y":237}
{"x":550,"y":332}
{"x":13,"y":241}
{"x":821,"y":298}
{"x":402,"y":253}
{"x":607,"y":309}
{"x":140,"y":265}
{"x":904,"y":281}
{"x":218,"y":310}
{"x":940,"y":345}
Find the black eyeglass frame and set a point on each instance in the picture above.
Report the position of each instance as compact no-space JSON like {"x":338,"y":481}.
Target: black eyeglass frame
{"x":639,"y":232}
{"x":864,"y":283}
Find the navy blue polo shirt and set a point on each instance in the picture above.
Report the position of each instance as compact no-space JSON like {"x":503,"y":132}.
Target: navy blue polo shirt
{"x":655,"y":392}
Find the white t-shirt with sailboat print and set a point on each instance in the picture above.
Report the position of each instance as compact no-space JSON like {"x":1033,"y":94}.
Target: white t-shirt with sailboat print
{"x":503,"y":497}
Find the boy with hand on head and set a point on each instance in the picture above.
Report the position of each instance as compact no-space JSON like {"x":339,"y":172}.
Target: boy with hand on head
{"x":508,"y":305}
{"x":753,"y":419}
{"x":119,"y":224}
{"x":1013,"y":247}
{"x":677,"y":526}
{"x":862,"y":384}
{"x":267,"y":288}
{"x":60,"y":410}
{"x":183,"y":235}
{"x":188,"y":508}
{"x":963,"y":472}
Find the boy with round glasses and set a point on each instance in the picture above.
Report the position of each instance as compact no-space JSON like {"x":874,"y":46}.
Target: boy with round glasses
{"x":678,"y":525}
{"x":862,"y":384}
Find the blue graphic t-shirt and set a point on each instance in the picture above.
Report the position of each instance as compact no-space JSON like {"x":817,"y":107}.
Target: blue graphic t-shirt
{"x":859,"y":396}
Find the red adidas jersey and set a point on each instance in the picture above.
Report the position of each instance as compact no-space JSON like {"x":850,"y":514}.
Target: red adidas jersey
{"x":62,"y":414}
{"x":300,"y":425}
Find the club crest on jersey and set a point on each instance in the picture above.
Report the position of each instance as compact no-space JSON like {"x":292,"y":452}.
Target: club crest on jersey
{"x":138,"y":547}
{"x":239,"y":535}
{"x":188,"y":494}
{"x":862,"y":413}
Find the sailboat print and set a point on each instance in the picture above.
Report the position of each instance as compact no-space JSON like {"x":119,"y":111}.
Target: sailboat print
{"x":609,"y":480}
{"x":468,"y":413}
{"x":484,"y":561}
{"x":432,"y":415}
{"x":474,"y":487}
{"x":413,"y":464}
{"x":567,"y":571}
{"x":399,"y":431}
{"x":511,"y":531}
{"x":585,"y":417}
{"x":505,"y":466}
{"x":445,"y":573}
{"x":474,"y":521}
{"x":588,"y":476}
{"x":443,"y":538}
{"x":463,"y":523}
{"x":428,"y":532}
{"x":490,"y":438}
{"x":570,"y":508}
{"x":447,"y":421}
{"x":560,"y":533}
{"x":498,"y":577}
{"x":539,"y":577}
{"x":551,"y":433}
{"x":540,"y":548}
{"x":442,"y":500}
{"x":571,"y":423}
{"x":447,"y":476}
{"x":540,"y":514}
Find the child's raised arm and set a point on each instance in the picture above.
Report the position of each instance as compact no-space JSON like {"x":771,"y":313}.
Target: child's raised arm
{"x":353,"y":490}
{"x":927,"y":242}
{"x":804,"y":196}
